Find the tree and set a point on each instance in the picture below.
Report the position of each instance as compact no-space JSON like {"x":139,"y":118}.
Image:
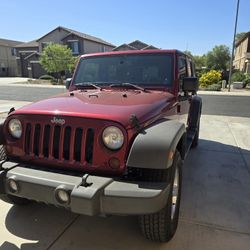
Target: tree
{"x":218,"y":58}
{"x":57,"y":58}
{"x":239,"y":36}
{"x":200,"y":61}
{"x":189,"y":53}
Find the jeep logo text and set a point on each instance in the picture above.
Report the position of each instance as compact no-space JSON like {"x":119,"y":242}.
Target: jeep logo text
{"x":59,"y":121}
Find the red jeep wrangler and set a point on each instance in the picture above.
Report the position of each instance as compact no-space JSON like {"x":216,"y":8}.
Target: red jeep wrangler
{"x":113,"y":144}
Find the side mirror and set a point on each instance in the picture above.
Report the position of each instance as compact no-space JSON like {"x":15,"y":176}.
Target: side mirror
{"x":68,"y":82}
{"x":190,"y":84}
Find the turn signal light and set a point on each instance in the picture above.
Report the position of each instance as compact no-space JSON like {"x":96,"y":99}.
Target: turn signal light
{"x":114,"y":163}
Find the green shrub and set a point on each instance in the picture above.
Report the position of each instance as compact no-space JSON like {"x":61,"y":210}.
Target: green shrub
{"x":47,"y":77}
{"x":246,"y":81}
{"x":238,"y":76}
{"x":214,"y":87}
{"x":209,"y":78}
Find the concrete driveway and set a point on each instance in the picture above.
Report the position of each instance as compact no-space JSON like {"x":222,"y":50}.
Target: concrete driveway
{"x":215,"y":206}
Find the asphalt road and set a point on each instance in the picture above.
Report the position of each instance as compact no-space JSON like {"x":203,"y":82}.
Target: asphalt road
{"x":238,"y":106}
{"x":29,"y":94}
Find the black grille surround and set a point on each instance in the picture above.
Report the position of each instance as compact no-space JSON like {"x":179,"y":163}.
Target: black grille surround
{"x":61,"y":143}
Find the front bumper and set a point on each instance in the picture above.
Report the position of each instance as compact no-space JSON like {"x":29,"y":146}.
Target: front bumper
{"x":89,"y":195}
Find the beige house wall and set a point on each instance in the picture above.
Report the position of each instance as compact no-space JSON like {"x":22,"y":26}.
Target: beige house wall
{"x":242,"y":57}
{"x":93,"y":47}
{"x":56,"y":37}
{"x":8,"y":61}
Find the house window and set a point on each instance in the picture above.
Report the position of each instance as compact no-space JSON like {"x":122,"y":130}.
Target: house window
{"x":44,"y":44}
{"x":13,"y":51}
{"x":74,"y":46}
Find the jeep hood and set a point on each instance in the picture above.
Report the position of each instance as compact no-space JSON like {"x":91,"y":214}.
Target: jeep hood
{"x":115,"y":105}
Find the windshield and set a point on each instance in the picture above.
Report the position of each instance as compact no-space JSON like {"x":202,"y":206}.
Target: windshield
{"x":145,"y":69}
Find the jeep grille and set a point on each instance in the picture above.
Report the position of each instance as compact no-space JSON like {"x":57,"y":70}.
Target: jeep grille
{"x":61,"y":143}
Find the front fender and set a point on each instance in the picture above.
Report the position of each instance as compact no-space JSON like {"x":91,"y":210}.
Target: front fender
{"x":154,"y":147}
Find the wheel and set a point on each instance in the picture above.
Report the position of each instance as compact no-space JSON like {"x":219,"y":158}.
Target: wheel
{"x":161,"y":226}
{"x":194,"y":118}
{"x":196,"y":137}
{"x":7,"y":197}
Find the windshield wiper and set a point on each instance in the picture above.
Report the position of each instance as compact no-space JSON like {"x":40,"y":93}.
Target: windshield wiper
{"x":87,"y":84}
{"x":127,"y":84}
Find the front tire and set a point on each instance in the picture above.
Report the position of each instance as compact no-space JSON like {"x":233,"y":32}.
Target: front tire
{"x":196,"y":137}
{"x":161,"y":226}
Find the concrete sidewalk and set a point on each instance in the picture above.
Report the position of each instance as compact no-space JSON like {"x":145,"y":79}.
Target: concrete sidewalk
{"x":12,"y":80}
{"x":233,"y":92}
{"x":215,"y":206}
{"x":5,"y":105}
{"x":23,"y":82}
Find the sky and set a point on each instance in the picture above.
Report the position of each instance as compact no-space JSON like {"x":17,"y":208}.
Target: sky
{"x":194,"y":25}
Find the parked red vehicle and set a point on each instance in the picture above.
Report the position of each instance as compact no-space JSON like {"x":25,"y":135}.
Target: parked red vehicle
{"x":113,"y":144}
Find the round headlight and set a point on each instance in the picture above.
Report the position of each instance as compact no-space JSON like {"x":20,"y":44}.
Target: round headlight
{"x":112,"y":138}
{"x":15,"y":128}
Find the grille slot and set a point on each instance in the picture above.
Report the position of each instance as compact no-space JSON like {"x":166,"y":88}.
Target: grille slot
{"x":89,"y":145}
{"x":66,"y":143}
{"x":36,"y":139}
{"x":78,"y":144}
{"x":46,"y":141}
{"x":27,"y":138}
{"x":56,"y":141}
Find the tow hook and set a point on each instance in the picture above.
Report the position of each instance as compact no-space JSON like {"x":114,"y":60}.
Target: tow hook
{"x":84,"y":182}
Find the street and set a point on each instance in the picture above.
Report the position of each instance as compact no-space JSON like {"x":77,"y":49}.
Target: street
{"x":29,"y":94}
{"x":212,"y":104}
{"x":215,"y":205}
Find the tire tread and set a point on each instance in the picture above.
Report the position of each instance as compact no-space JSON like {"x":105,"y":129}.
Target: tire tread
{"x":156,"y":226}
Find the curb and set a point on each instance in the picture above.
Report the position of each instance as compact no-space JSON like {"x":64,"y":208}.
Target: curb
{"x":6,"y":105}
{"x":225,"y":93}
{"x":34,"y":85}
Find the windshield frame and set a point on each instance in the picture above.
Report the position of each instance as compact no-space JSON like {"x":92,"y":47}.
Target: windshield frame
{"x":144,"y":85}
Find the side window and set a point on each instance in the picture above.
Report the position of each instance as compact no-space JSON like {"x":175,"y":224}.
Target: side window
{"x":182,"y":67}
{"x":193,"y":69}
{"x":189,"y":68}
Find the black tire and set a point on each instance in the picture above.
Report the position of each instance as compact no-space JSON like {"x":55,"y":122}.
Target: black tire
{"x":194,"y":119}
{"x":196,"y":137}
{"x":161,"y":226}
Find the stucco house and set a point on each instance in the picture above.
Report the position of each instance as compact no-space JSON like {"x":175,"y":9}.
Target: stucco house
{"x":24,"y":53}
{"x":8,"y":64}
{"x":80,"y":43}
{"x":242,"y":54}
{"x":135,"y":45}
